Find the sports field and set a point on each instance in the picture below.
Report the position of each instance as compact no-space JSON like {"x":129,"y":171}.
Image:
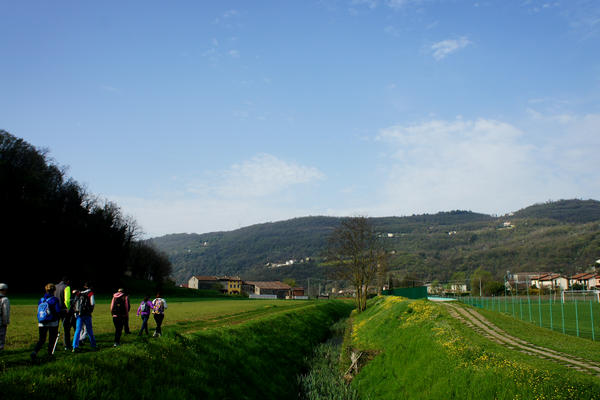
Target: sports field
{"x":577,"y":317}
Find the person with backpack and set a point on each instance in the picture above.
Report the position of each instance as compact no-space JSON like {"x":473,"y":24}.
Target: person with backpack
{"x":119,"y":308}
{"x":84,"y":306}
{"x":48,"y":315}
{"x":144,"y":311}
{"x":63,"y":294}
{"x":159,"y":305}
{"x":4,"y":314}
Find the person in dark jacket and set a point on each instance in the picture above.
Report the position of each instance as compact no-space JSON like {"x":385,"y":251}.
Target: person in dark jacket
{"x":119,"y":309}
{"x":50,"y":325}
{"x":144,"y":311}
{"x":4,"y":313}
{"x":63,"y":294}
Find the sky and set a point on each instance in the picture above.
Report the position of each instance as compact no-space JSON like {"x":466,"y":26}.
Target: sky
{"x":208,"y":116}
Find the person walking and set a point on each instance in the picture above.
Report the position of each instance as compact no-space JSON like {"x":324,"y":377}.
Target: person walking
{"x":119,"y":308}
{"x":84,"y":307}
{"x":159,"y":305}
{"x":63,"y":294}
{"x":126,"y":320}
{"x":48,"y":318}
{"x":4,"y":314}
{"x":144,"y":311}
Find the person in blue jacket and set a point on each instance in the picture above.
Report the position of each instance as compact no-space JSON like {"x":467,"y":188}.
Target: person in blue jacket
{"x":48,"y":318}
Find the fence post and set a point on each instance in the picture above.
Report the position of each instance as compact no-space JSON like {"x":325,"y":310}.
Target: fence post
{"x":529,"y":303}
{"x":576,"y":318}
{"x":562,"y":314}
{"x":521,"y":308}
{"x":592,"y":320}
{"x":551,"y":317}
{"x":540,"y":305}
{"x":513,"y":303}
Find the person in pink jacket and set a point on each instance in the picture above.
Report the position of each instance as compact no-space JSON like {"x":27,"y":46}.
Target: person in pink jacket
{"x":119,"y":309}
{"x":144,"y":311}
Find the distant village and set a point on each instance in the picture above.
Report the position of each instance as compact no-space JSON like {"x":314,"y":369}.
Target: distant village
{"x":521,"y":281}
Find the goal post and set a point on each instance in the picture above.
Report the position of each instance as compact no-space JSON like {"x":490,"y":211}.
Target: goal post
{"x":585,"y":295}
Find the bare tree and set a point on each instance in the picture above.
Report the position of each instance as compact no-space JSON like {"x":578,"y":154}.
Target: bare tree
{"x":356,"y":252}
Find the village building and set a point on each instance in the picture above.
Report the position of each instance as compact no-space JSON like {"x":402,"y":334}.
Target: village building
{"x":550,"y":281}
{"x":274,"y":288}
{"x":231,"y":284}
{"x":203,"y":282}
{"x":587,"y":280}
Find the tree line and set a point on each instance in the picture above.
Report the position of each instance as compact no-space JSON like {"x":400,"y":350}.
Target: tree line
{"x":52,"y":227}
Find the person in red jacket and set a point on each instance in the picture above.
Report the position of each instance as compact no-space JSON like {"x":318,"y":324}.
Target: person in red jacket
{"x":119,"y":308}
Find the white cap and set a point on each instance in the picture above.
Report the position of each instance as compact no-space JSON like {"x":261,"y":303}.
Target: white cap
{"x":3,"y":286}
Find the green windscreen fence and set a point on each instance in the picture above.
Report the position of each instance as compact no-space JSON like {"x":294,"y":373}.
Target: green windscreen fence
{"x":419,"y":292}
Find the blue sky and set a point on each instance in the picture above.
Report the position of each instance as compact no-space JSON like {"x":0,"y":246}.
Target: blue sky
{"x":204,"y":116}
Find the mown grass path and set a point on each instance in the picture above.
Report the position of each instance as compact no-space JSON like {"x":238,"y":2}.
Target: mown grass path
{"x":480,"y":324}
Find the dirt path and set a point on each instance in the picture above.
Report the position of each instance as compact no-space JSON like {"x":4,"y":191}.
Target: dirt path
{"x":483,"y":326}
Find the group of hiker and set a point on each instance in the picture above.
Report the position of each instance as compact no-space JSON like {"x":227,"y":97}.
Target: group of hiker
{"x":73,"y":309}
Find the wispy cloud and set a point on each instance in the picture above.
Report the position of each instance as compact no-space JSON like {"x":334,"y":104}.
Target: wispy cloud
{"x":441,"y":50}
{"x":262,"y":188}
{"x":489,"y":165}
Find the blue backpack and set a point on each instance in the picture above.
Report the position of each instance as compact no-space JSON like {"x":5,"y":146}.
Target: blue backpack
{"x":44,"y":313}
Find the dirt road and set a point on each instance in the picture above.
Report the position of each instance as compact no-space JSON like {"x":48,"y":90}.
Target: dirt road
{"x":483,"y":326}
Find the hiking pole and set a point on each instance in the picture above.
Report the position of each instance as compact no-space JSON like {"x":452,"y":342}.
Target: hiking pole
{"x":55,"y":342}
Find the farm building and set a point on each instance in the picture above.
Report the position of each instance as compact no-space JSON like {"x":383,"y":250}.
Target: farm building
{"x":231,"y":284}
{"x":203,"y":282}
{"x":279,"y":289}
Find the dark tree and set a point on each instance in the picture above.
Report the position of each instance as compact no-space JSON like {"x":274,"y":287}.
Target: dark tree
{"x":356,"y":253}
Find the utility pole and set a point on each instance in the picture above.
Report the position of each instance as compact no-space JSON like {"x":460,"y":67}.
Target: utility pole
{"x":480,"y":287}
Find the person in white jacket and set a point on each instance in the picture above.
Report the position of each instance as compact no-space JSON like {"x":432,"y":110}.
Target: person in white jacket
{"x":4,"y":314}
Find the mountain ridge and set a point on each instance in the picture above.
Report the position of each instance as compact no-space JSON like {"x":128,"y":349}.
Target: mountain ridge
{"x":561,"y":235}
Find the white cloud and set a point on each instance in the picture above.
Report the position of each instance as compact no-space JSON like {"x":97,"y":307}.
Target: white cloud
{"x":489,"y":166}
{"x":265,"y":175}
{"x":234,"y":53}
{"x":446,"y":47}
{"x":263,"y":188}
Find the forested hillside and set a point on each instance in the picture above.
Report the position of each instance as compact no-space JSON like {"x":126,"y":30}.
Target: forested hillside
{"x":51,"y":227}
{"x":561,"y":236}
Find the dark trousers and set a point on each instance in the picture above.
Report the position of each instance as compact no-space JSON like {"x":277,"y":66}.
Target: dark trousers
{"x":119,"y":323}
{"x":43,"y":330}
{"x":126,"y":325}
{"x":144,"y":324}
{"x":68,"y":324}
{"x":159,"y":320}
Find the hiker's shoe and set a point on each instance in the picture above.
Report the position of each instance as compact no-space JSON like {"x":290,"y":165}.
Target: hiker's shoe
{"x":115,"y":344}
{"x":75,"y":350}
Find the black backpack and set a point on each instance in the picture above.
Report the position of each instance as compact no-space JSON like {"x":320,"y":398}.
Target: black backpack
{"x":83,"y":305}
{"x":118,"y":307}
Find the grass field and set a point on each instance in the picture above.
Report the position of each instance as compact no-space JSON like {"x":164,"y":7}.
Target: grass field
{"x":578,"y":318}
{"x":417,"y":351}
{"x":182,"y":315}
{"x":212,"y":349}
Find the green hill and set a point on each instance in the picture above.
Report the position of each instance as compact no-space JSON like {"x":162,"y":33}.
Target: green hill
{"x":562,"y":236}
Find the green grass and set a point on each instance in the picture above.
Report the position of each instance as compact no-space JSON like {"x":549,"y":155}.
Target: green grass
{"x":419,"y":352}
{"x":544,"y":337}
{"x":254,"y":353}
{"x":581,"y":318}
{"x":184,"y":315}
